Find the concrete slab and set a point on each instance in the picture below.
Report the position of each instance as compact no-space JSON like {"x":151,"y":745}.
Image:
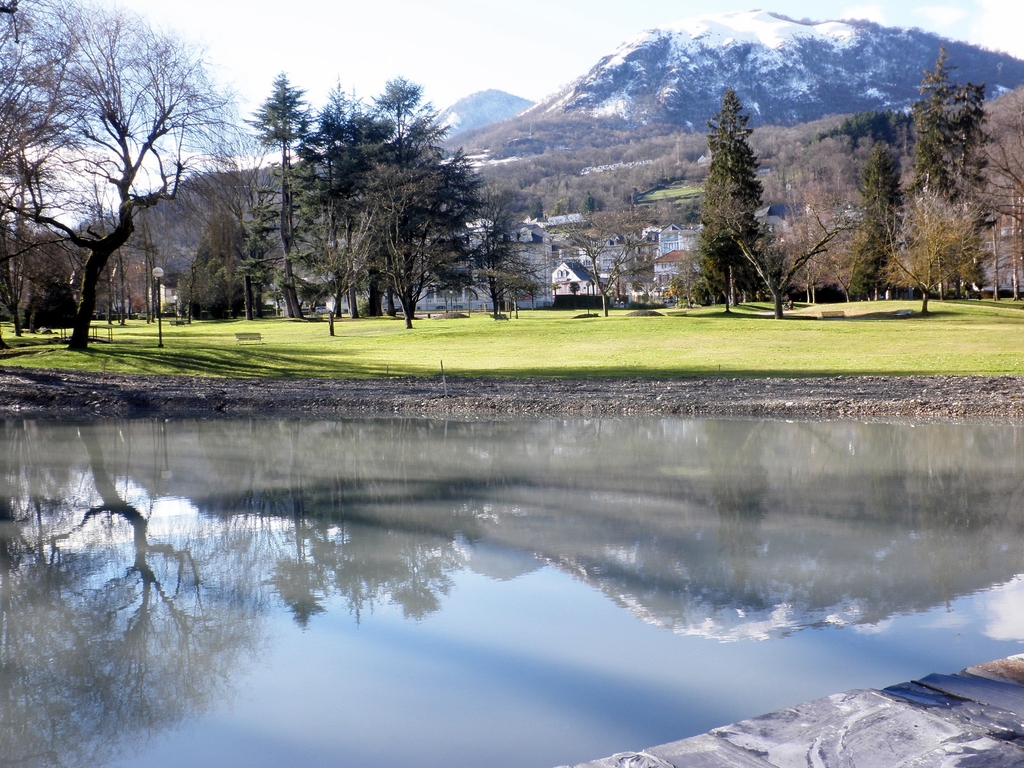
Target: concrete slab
{"x":1009,"y":696}
{"x":971,"y":720}
{"x":706,"y":751}
{"x":865,"y":729}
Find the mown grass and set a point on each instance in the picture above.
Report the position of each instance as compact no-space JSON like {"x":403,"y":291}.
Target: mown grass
{"x":675,"y":193}
{"x":957,"y":338}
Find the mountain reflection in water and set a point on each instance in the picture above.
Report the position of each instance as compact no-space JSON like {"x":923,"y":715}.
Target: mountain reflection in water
{"x":140,"y":561}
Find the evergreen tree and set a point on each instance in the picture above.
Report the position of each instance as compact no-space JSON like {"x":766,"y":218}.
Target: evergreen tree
{"x":418,"y":201}
{"x":282,"y":122}
{"x":948,"y":121}
{"x":336,"y":158}
{"x":732,"y":195}
{"x":881,"y":202}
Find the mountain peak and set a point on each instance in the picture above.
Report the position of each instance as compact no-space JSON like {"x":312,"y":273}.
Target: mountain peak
{"x":481,"y":108}
{"x":784,"y":70}
{"x":769,"y":29}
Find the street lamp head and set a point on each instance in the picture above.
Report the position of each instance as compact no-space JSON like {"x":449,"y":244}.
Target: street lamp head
{"x":158,"y":272}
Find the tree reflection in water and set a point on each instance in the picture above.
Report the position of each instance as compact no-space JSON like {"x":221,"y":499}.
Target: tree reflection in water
{"x":118,"y":620}
{"x":105,"y":635}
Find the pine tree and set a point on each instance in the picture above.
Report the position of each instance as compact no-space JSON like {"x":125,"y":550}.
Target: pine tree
{"x":948,"y":121}
{"x":732,"y":195}
{"x":418,"y":199}
{"x":336,"y":157}
{"x":881,"y":202}
{"x":282,"y":122}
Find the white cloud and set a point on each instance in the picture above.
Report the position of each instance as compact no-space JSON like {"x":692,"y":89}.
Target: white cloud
{"x":997,"y":24}
{"x":873,"y":13}
{"x":942,"y":15}
{"x":1005,"y":618}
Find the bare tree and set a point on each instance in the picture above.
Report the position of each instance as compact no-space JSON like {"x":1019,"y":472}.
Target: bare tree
{"x":119,"y":123}
{"x":777,"y":257}
{"x":613,"y":246}
{"x":938,"y":239}
{"x":1005,"y":171}
{"x":499,"y":267}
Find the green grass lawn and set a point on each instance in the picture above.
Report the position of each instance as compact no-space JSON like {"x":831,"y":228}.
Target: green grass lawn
{"x":957,"y":338}
{"x":675,"y":193}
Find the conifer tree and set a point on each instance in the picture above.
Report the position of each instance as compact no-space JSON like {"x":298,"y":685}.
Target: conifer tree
{"x":282,"y":122}
{"x":948,"y":121}
{"x":418,"y":200}
{"x":881,"y":202}
{"x":336,"y":158}
{"x":732,"y":195}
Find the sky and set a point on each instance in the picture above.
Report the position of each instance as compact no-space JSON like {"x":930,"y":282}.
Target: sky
{"x":453,"y":48}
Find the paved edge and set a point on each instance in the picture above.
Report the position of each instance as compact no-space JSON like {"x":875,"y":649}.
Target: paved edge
{"x":974,"y":718}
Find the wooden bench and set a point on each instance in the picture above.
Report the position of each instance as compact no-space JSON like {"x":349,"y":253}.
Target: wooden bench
{"x":249,"y":338}
{"x":832,"y":314}
{"x":902,"y":313}
{"x":96,"y":333}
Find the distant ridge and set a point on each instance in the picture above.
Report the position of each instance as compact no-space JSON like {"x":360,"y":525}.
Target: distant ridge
{"x":785,"y":71}
{"x":482,"y":108}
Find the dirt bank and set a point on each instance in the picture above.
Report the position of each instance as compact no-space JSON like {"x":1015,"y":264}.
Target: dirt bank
{"x":60,"y":395}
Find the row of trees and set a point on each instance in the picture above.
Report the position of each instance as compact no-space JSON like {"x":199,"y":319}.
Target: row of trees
{"x":925,"y":232}
{"x":103,"y":119}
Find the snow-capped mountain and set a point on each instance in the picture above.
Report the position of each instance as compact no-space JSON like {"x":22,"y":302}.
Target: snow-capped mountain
{"x":783,"y":70}
{"x":481,"y":108}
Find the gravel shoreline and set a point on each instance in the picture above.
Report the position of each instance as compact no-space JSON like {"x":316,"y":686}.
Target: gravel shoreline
{"x":60,"y":395}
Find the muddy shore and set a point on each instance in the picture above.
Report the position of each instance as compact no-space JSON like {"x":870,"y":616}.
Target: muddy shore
{"x":72,"y":396}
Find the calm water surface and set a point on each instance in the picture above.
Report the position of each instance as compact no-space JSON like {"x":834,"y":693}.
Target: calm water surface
{"x":525,"y":594}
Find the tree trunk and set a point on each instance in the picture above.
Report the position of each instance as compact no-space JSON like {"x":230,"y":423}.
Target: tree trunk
{"x":146,"y":292}
{"x":110,"y":299}
{"x":924,"y":302}
{"x":87,"y":304}
{"x":247,"y":290}
{"x":373,"y":306}
{"x":728,"y":289}
{"x":353,"y":309}
{"x":995,"y":263}
{"x":777,"y":301}
{"x":124,"y":311}
{"x":604,"y":304}
{"x":291,"y":298}
{"x":408,"y":307}
{"x":389,"y":303}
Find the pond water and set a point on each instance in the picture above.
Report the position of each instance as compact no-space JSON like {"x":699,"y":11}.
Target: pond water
{"x":522,"y":594}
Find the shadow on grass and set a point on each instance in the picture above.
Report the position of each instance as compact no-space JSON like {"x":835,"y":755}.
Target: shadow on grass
{"x":217,"y":361}
{"x":221,"y":363}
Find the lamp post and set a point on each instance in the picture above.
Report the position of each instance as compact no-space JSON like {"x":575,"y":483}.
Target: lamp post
{"x":157,"y":274}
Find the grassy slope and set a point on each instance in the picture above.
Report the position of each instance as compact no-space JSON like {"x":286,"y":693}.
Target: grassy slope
{"x":676,"y":193}
{"x":958,"y":338}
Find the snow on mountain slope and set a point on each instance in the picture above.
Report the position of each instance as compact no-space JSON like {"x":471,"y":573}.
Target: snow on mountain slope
{"x":784,"y":70}
{"x":481,"y":108}
{"x":767,"y":29}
